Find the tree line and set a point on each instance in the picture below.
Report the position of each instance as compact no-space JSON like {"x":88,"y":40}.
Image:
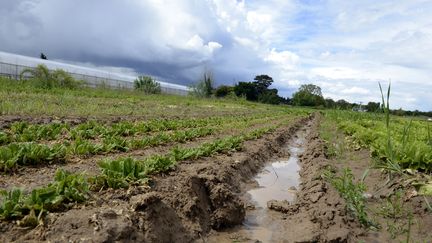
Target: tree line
{"x":307,"y":95}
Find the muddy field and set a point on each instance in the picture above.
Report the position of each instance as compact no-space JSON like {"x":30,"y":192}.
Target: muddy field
{"x":272,"y":190}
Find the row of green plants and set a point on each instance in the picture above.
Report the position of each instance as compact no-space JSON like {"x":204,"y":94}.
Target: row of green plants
{"x":26,"y":132}
{"x":120,"y":172}
{"x":405,"y":141}
{"x":29,"y":207}
{"x":31,"y":153}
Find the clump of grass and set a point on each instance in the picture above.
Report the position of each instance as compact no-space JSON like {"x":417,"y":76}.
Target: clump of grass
{"x":147,"y":85}
{"x":352,"y":192}
{"x":390,"y":164}
{"x":395,"y":212}
{"x":42,"y":77}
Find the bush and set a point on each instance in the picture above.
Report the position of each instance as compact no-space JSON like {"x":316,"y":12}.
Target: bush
{"x":204,"y":88}
{"x":42,"y":77}
{"x":147,"y":84}
{"x":223,"y":91}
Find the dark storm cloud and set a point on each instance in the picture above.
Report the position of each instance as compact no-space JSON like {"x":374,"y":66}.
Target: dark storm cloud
{"x":151,"y":37}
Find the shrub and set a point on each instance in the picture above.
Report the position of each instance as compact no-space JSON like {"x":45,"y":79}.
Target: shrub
{"x":41,"y":76}
{"x":147,"y":84}
{"x":223,"y":91}
{"x":204,"y":88}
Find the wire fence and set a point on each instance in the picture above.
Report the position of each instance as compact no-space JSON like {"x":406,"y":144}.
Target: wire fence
{"x":13,"y":71}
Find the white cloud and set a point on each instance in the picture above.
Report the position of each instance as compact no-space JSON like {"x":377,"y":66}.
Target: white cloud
{"x":336,"y":72}
{"x":196,"y":43}
{"x":283,"y":59}
{"x":355,"y":90}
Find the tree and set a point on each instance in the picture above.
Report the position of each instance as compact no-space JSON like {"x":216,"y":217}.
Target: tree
{"x":372,"y":106}
{"x":223,"y":91}
{"x":270,"y":96}
{"x":330,"y":103}
{"x":343,"y":104}
{"x":246,"y":89}
{"x":262,"y":82}
{"x":308,"y":95}
{"x":147,"y":84}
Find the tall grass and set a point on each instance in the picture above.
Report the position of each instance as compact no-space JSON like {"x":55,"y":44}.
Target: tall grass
{"x":391,"y":164}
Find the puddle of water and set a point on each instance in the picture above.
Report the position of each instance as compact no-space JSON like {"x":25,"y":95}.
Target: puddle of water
{"x":277,"y":178}
{"x":274,"y":182}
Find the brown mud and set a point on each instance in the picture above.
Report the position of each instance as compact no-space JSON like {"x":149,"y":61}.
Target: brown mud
{"x":317,"y":214}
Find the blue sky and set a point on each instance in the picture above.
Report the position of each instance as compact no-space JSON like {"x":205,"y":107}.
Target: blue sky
{"x":345,"y":47}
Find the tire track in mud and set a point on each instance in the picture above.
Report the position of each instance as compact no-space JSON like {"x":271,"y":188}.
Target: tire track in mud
{"x":318,"y":213}
{"x":183,"y":205}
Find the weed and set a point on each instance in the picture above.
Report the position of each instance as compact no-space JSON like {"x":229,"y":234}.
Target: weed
{"x":393,"y":207}
{"x":352,"y":193}
{"x":147,"y":84}
{"x":42,"y":77}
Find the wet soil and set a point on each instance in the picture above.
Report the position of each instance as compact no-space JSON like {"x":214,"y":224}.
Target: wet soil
{"x":213,"y":200}
{"x":179,"y":206}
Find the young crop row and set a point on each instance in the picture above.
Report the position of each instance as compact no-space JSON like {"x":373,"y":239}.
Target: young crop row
{"x":26,"y":132}
{"x":66,"y":188}
{"x":118,"y":173}
{"x":408,"y":142}
{"x":15,"y":154}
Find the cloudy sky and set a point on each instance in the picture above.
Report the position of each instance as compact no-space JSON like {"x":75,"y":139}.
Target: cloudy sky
{"x":345,"y":47}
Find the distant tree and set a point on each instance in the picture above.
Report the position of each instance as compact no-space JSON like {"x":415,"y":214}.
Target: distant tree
{"x":343,"y":104}
{"x":246,"y":89}
{"x":258,"y":90}
{"x":204,"y":87}
{"x":308,"y":95}
{"x":398,"y":112}
{"x":373,"y":106}
{"x":223,"y":91}
{"x":43,"y":56}
{"x":262,"y":82}
{"x":285,"y":100}
{"x":270,"y":96}
{"x":147,"y":84}
{"x":330,"y":103}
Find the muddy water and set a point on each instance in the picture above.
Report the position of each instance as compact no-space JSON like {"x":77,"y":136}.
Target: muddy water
{"x":277,"y":181}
